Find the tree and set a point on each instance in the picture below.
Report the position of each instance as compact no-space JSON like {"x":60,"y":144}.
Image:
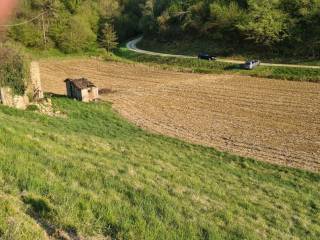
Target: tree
{"x":109,"y":38}
{"x":148,"y":22}
{"x":13,"y":69}
{"x":77,"y":36}
{"x":265,"y":24}
{"x":48,"y":10}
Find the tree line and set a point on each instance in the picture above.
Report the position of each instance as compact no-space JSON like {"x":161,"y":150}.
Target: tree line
{"x":75,"y":25}
{"x":288,"y":27}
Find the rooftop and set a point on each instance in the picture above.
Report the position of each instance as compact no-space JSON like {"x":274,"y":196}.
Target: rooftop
{"x":81,"y":83}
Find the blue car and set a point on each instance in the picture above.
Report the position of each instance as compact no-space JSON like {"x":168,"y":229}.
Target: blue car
{"x":206,"y":56}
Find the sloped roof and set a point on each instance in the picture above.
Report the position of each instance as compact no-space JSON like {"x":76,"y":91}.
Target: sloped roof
{"x":80,"y":83}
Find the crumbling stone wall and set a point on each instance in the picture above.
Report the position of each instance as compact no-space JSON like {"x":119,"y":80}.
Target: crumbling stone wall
{"x":36,"y":80}
{"x":7,"y":98}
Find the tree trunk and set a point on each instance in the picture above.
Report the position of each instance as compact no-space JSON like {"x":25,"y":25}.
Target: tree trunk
{"x":44,"y":32}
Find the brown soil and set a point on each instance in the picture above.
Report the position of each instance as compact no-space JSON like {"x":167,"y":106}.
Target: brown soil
{"x":270,"y":120}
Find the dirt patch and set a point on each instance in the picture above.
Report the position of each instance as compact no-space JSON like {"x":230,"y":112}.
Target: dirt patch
{"x":105,"y":91}
{"x":270,"y":120}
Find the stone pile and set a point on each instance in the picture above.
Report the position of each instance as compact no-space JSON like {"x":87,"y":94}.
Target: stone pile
{"x":44,"y":106}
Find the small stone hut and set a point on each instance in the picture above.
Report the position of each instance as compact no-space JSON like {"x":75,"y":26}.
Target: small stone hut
{"x":82,"y":89}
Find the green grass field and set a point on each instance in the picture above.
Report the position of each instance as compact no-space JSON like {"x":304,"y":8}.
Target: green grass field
{"x":200,"y":66}
{"x":94,"y":174}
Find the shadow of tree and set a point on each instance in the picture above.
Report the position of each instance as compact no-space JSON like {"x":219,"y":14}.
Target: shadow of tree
{"x":43,"y":213}
{"x":233,"y":67}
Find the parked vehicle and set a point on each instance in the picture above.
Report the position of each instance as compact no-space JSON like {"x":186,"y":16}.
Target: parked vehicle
{"x":206,"y":56}
{"x":251,"y":64}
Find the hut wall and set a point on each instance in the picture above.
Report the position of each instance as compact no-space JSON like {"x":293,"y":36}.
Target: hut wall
{"x":85,"y":97}
{"x":95,"y":93}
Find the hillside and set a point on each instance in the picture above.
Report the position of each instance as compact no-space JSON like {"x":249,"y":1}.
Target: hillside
{"x":268,"y":120}
{"x":94,"y":174}
{"x":269,"y":29}
{"x":174,"y":148}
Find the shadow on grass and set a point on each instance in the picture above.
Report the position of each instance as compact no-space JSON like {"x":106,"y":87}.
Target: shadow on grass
{"x":50,"y":94}
{"x":233,"y":67}
{"x":43,"y":213}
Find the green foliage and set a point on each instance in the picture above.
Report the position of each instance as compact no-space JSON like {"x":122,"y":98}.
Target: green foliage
{"x":13,"y":69}
{"x":70,"y":26}
{"x":226,"y":15}
{"x":92,"y":173}
{"x":77,"y":36}
{"x":284,"y":27}
{"x":15,"y":223}
{"x":29,"y":35}
{"x":33,"y":108}
{"x":264,"y":24}
{"x":281,"y":27}
{"x":109,"y":38}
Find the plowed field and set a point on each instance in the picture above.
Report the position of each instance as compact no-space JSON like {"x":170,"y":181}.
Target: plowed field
{"x":269,"y":120}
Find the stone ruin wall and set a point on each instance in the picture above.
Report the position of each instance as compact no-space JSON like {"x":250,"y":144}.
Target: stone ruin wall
{"x":7,"y":97}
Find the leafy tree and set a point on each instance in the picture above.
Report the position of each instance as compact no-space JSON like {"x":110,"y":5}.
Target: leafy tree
{"x":265,"y":24}
{"x":13,"y":69}
{"x":29,"y":35}
{"x":109,"y":38}
{"x":48,"y":10}
{"x":77,"y":36}
{"x":148,"y":21}
{"x":286,"y":26}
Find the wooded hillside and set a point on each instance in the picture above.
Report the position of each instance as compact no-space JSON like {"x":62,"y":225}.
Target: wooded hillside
{"x":287,"y":27}
{"x":75,"y":25}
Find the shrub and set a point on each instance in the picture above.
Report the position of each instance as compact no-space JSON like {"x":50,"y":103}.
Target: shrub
{"x":13,"y":69}
{"x":33,"y":108}
{"x":77,"y":37}
{"x":29,"y":35}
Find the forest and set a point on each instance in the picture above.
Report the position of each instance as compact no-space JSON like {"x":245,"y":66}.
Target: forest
{"x":283,"y":27}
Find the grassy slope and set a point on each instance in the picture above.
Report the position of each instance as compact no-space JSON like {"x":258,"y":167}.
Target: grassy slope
{"x":94,"y":173}
{"x":200,"y":66}
{"x":194,"y":46}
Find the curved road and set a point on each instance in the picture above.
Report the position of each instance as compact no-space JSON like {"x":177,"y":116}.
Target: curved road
{"x":132,"y":46}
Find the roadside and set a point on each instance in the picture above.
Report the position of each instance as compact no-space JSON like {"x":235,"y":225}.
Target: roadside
{"x":129,"y":53}
{"x":132,"y":45}
{"x":192,"y":64}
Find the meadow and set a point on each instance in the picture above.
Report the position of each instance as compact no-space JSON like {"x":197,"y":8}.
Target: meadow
{"x":200,"y":66}
{"x":193,"y":47}
{"x":93,"y":174}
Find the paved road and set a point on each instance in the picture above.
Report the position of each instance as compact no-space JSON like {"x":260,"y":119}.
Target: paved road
{"x":132,"y":45}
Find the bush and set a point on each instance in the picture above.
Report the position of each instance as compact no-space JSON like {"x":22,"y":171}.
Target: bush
{"x":13,"y":69}
{"x":77,"y":37}
{"x":28,"y":35}
{"x":33,"y":108}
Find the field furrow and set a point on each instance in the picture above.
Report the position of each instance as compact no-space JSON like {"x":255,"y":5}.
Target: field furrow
{"x":270,"y":120}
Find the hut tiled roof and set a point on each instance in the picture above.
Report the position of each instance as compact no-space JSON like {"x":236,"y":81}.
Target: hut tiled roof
{"x":81,"y":83}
